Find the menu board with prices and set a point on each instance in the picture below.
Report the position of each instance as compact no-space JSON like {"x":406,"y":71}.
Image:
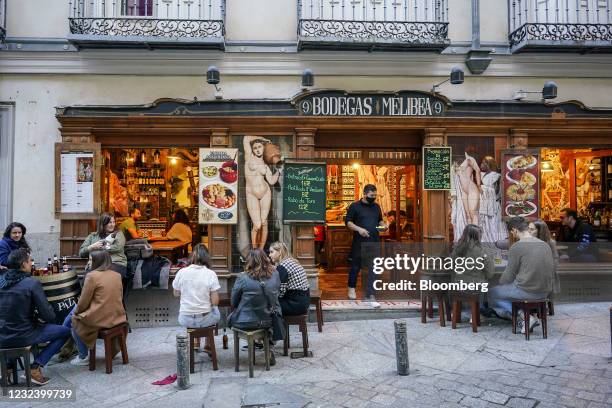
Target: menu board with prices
{"x":218,"y":190}
{"x":304,"y":192}
{"x":437,"y":167}
{"x":77,"y":182}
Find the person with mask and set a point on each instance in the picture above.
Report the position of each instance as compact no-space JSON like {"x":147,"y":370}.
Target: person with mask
{"x":13,"y":238}
{"x":364,"y":218}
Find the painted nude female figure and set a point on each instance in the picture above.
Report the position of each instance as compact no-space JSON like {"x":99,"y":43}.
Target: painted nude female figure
{"x":258,"y":178}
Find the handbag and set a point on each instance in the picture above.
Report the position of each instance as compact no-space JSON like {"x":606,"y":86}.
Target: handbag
{"x":136,"y":249}
{"x":278,"y":327}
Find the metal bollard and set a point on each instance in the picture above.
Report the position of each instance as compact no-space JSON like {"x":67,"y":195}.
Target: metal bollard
{"x":401,"y":347}
{"x":182,"y":361}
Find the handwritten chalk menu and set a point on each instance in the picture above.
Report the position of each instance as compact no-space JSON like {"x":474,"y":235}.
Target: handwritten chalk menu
{"x":77,"y":182}
{"x":436,"y":168}
{"x":304,"y":192}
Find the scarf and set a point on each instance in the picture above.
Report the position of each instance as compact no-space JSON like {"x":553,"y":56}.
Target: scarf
{"x":11,"y":278}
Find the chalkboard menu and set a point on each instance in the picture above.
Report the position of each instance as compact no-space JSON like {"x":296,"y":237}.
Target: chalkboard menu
{"x":436,"y":168}
{"x":304,"y":192}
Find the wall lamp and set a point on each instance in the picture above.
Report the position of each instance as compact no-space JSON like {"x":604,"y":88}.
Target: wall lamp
{"x":307,"y":79}
{"x":455,"y":78}
{"x":549,"y":91}
{"x":213,"y":77}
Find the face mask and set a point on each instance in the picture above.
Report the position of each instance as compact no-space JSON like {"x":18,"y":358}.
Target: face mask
{"x":370,"y":200}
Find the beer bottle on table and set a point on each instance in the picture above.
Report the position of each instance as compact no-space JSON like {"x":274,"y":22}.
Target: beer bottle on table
{"x":56,"y":264}
{"x":33,"y":271}
{"x":65,"y":266}
{"x":49,"y":270}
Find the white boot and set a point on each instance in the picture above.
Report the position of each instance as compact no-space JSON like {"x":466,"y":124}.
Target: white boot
{"x":351,"y":294}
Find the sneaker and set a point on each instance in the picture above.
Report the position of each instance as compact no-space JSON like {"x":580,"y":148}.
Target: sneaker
{"x":533,"y":322}
{"x":351,"y":294}
{"x":373,"y":303}
{"x":37,"y":376}
{"x":78,"y":361}
{"x":521,"y":325}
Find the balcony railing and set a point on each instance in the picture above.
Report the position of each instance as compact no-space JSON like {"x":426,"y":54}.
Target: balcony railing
{"x":2,"y":20}
{"x":557,"y":24}
{"x":158,"y":22}
{"x":373,"y":23}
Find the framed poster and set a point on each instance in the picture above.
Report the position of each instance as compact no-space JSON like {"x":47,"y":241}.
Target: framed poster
{"x":304,"y":198}
{"x":77,"y":180}
{"x":218,"y":189}
{"x":437,"y":167}
{"x":521,"y":183}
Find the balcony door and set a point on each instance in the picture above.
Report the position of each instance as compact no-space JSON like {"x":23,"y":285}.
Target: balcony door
{"x":137,"y":8}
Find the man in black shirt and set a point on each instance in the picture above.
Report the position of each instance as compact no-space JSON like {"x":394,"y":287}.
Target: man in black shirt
{"x":581,"y":233}
{"x":364,"y":218}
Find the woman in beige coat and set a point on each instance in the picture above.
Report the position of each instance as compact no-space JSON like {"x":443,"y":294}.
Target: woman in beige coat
{"x":100,"y":305}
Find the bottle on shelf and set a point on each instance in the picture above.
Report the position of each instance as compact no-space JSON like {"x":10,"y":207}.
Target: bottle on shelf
{"x":597,"y":219}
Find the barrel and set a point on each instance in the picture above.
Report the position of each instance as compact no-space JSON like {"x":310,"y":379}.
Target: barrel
{"x":62,"y":291}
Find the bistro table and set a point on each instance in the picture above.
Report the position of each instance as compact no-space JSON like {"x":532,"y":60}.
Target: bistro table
{"x":171,"y":249}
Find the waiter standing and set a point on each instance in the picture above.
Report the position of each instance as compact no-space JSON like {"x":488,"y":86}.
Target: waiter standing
{"x":364,"y":218}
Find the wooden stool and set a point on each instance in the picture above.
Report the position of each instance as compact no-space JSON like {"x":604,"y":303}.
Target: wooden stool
{"x":315,"y":299}
{"x":474,"y":300}
{"x":196,"y":333}
{"x":427,"y":298}
{"x":527,"y":305}
{"x":300,"y":321}
{"x":551,"y":308}
{"x":251,"y":336}
{"x":9,"y":354}
{"x":119,"y":332}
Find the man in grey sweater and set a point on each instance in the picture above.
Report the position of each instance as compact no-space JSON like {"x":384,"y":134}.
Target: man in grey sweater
{"x":529,"y":274}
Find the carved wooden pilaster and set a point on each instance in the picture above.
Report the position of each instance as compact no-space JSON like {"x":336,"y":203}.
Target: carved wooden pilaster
{"x":434,"y":205}
{"x":220,"y":236}
{"x":302,"y":235}
{"x":518,"y":139}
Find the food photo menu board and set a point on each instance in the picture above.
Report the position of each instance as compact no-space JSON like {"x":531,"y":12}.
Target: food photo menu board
{"x":218,"y":191}
{"x":521,"y":183}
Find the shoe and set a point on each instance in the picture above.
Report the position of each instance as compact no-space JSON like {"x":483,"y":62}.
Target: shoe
{"x":257,"y":345}
{"x":9,"y":376}
{"x":373,"y":303}
{"x":351,"y":294}
{"x":520,"y":321}
{"x":78,"y":361}
{"x":37,"y":376}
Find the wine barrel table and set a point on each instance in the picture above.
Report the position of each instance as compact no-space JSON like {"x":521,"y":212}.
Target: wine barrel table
{"x":62,"y":291}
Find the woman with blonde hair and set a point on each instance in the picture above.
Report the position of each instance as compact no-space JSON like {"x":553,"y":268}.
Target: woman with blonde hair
{"x":294,"y":292}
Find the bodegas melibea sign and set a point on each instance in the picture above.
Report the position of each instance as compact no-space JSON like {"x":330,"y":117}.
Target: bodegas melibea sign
{"x":338,"y":103}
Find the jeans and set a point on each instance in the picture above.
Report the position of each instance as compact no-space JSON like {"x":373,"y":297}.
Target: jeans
{"x":200,"y":320}
{"x":82,"y":347}
{"x":354,"y":272}
{"x":56,"y":335}
{"x":500,"y":298}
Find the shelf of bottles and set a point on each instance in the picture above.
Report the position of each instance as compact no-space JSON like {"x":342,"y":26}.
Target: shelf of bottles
{"x":149,"y":178}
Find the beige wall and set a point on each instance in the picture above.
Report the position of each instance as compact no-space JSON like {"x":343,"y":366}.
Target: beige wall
{"x":460,"y":20}
{"x":493,"y":21}
{"x":262,"y":20}
{"x":37,"y":18}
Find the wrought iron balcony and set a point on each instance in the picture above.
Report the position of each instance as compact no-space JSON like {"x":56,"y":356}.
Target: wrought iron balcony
{"x":582,"y":25}
{"x":149,"y":23}
{"x":373,"y":24}
{"x":2,"y":20}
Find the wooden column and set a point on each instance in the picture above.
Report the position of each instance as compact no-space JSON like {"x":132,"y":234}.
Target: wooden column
{"x":220,"y":236}
{"x":434,"y":206}
{"x":518,"y":139}
{"x":302,"y":235}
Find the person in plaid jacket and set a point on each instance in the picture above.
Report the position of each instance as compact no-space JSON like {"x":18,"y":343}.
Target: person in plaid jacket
{"x":294,"y":293}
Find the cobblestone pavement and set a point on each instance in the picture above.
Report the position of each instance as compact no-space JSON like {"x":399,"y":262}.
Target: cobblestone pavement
{"x":354,"y":366}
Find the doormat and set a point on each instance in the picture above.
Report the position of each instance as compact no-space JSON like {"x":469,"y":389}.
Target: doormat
{"x":360,"y":304}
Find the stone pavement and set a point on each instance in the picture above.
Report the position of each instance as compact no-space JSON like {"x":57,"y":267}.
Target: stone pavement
{"x":354,"y":366}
